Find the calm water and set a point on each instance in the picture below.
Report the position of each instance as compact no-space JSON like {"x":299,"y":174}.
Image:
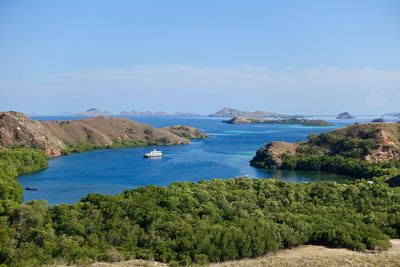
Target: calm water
{"x":224,"y":154}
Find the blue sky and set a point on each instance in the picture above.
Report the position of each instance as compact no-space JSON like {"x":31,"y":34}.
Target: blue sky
{"x":319,"y":57}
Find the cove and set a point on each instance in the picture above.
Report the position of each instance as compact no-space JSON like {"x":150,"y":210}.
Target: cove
{"x":225,"y":154}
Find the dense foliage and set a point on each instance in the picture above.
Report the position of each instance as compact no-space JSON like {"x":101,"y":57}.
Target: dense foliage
{"x":14,"y":162}
{"x":341,"y":151}
{"x":191,"y":222}
{"x":342,"y":165}
{"x":83,"y":147}
{"x":200,"y":222}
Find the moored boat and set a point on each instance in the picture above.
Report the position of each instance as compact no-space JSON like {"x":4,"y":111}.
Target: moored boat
{"x":153,"y":154}
{"x":31,"y":188}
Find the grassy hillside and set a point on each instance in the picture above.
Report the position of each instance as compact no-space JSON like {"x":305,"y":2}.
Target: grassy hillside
{"x":361,"y":150}
{"x":58,"y":137}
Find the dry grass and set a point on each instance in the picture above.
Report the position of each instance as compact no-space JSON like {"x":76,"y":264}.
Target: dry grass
{"x":321,"y":256}
{"x":303,"y":256}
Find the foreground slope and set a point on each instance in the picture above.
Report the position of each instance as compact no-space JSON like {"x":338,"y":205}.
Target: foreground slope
{"x":16,"y":129}
{"x":304,"y":256}
{"x":318,"y":256}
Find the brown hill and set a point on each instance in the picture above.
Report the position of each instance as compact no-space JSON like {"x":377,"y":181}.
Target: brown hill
{"x":16,"y":129}
{"x":186,"y":131}
{"x":371,"y":142}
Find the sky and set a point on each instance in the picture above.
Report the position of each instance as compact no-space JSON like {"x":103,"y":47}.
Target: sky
{"x":292,"y":57}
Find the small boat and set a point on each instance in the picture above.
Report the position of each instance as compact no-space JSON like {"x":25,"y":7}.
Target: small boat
{"x":31,"y":188}
{"x":153,"y":154}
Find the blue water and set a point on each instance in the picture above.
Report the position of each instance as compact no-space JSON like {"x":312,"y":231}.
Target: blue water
{"x":226,"y":153}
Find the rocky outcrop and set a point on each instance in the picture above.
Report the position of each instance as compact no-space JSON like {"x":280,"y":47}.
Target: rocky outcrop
{"x":230,"y":112}
{"x":16,"y":129}
{"x":303,"y":122}
{"x":94,"y":112}
{"x":270,"y":156}
{"x":345,"y":116}
{"x":186,"y":132}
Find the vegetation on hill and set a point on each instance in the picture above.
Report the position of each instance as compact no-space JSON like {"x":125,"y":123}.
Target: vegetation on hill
{"x":185,"y":222}
{"x":363,"y":150}
{"x":14,"y":162}
{"x":186,"y":132}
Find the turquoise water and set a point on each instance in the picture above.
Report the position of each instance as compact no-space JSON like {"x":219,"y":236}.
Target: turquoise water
{"x":225,"y":154}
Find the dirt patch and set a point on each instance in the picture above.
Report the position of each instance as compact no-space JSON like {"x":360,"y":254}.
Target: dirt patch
{"x":303,"y":256}
{"x":321,"y":256}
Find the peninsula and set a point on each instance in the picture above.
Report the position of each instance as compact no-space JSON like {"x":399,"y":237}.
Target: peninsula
{"x":360,"y":150}
{"x":60,"y":137}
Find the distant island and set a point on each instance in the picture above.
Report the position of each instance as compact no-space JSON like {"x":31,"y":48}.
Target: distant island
{"x":157,"y":113}
{"x":392,"y":114}
{"x":378,"y":120}
{"x":345,"y":116}
{"x":303,"y":122}
{"x":230,"y":112}
{"x":66,"y":136}
{"x":95,"y":112}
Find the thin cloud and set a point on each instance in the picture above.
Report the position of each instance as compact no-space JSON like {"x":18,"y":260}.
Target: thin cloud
{"x":318,"y":89}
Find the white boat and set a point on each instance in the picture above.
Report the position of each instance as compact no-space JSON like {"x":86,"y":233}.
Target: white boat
{"x":153,"y":154}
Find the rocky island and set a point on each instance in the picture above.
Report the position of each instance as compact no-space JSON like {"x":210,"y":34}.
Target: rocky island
{"x":58,"y":137}
{"x":186,"y":132}
{"x":345,"y":116}
{"x":360,"y":150}
{"x":303,"y":122}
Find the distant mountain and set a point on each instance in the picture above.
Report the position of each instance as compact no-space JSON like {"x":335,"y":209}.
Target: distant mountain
{"x":345,"y":116}
{"x":66,"y":114}
{"x":230,"y":112}
{"x":143,"y":113}
{"x":94,"y":112}
{"x":158,"y":113}
{"x":186,"y":114}
{"x":392,"y":114}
